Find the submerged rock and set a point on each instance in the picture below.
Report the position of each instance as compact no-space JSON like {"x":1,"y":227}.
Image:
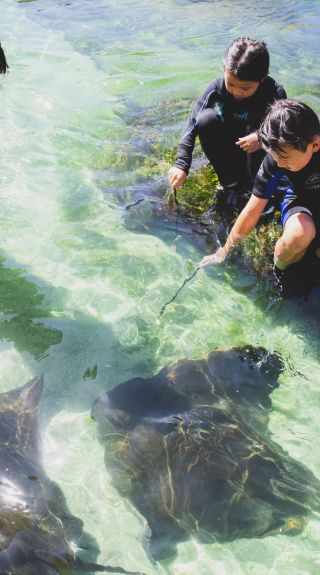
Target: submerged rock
{"x":190,"y":447}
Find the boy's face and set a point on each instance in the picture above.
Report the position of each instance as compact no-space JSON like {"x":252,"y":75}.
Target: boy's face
{"x":292,"y":159}
{"x":239,"y":89}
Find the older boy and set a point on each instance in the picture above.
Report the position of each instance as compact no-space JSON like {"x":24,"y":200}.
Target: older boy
{"x":226,"y":119}
{"x":290,"y":134}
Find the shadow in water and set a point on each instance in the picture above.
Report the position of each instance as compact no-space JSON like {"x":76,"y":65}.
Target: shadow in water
{"x":21,"y":307}
{"x":78,"y":354}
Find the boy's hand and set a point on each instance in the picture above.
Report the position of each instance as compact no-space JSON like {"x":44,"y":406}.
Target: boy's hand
{"x":176,"y":177}
{"x":217,"y":258}
{"x":249,"y":143}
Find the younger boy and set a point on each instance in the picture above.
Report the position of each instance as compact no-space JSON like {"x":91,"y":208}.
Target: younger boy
{"x":290,"y":134}
{"x":226,"y":119}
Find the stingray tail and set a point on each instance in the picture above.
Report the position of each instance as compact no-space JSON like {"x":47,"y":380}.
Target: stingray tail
{"x":81,"y":566}
{"x":3,"y":62}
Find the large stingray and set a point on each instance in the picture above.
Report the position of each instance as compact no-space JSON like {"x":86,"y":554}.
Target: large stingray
{"x":38,"y":535}
{"x":190,"y":448}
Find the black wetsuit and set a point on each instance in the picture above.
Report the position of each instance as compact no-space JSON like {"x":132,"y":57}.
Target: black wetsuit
{"x":303,"y":195}
{"x":219,"y":120}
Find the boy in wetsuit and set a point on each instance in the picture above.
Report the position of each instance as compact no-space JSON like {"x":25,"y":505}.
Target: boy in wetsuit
{"x":290,"y":134}
{"x":226,"y":119}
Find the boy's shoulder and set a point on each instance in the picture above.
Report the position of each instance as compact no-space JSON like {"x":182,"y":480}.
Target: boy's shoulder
{"x":216,"y":85}
{"x":273,"y":87}
{"x":267,"y":178}
{"x":215,"y":91}
{"x":268,"y":166}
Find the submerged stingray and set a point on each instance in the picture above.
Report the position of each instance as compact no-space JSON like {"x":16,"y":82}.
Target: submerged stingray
{"x":190,"y":448}
{"x":38,"y":535}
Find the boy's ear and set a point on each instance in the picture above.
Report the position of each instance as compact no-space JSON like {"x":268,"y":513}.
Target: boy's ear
{"x":316,"y":144}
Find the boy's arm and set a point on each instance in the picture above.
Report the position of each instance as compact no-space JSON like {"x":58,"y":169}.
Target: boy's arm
{"x":251,"y":142}
{"x":243,"y":225}
{"x":265,"y":185}
{"x":186,"y":145}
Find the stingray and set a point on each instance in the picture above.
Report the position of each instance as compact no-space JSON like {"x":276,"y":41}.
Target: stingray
{"x":190,"y":448}
{"x":38,"y":534}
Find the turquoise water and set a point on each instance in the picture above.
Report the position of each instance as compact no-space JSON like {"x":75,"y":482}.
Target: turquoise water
{"x":93,"y":87}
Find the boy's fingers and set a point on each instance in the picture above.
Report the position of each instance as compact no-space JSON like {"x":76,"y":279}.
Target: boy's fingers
{"x":206,"y":261}
{"x":173,"y":181}
{"x":202,"y":263}
{"x":244,"y":146}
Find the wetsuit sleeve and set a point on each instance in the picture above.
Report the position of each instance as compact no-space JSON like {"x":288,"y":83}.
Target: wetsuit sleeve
{"x":267,"y":178}
{"x":187,"y":141}
{"x":280,"y":92}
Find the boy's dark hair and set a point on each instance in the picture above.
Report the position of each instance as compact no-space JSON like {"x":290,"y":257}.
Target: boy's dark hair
{"x":289,"y":122}
{"x":247,"y":59}
{"x":3,"y":62}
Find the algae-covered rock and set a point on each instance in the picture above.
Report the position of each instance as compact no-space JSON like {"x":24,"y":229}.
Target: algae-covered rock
{"x":258,"y":247}
{"x":198,"y":193}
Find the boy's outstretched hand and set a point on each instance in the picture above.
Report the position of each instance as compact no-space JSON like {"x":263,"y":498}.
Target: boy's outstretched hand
{"x":176,"y":177}
{"x":217,"y":258}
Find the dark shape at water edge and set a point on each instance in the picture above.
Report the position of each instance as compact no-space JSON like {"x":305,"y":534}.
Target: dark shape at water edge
{"x":38,"y":534}
{"x":190,"y":447}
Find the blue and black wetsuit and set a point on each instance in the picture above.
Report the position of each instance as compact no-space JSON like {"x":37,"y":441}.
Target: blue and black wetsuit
{"x":219,"y":120}
{"x":303,"y":193}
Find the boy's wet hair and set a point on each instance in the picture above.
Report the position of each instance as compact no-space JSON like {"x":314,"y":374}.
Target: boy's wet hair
{"x":247,"y":59}
{"x":288,"y":122}
{"x":3,"y":62}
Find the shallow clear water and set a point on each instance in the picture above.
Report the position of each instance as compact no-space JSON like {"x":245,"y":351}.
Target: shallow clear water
{"x":92,"y":86}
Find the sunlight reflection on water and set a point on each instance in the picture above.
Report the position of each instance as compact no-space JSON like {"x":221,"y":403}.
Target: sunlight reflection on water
{"x":86,"y":99}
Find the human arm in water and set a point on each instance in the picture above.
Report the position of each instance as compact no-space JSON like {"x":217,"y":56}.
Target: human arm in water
{"x":243,"y":225}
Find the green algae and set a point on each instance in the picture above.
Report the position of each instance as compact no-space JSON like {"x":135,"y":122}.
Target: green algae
{"x":198,"y":193}
{"x":257,"y":248}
